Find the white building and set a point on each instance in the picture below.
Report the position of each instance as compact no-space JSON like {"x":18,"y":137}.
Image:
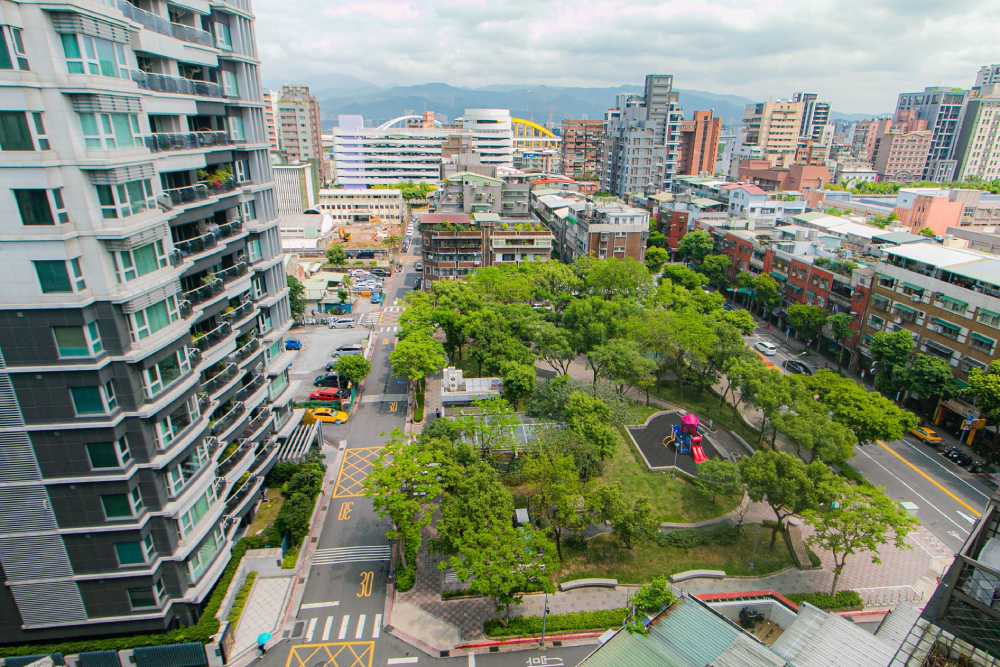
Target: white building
{"x":294,"y":188}
{"x":361,"y":206}
{"x":492,"y":135}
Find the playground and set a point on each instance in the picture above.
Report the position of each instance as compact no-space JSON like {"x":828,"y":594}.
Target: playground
{"x":673,"y":438}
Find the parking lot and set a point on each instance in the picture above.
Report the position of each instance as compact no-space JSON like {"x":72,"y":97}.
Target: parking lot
{"x":318,"y":343}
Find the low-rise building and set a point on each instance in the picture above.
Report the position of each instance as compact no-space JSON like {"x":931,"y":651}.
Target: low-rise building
{"x":598,"y":227}
{"x":294,"y":190}
{"x":798,"y":177}
{"x":346,"y":207}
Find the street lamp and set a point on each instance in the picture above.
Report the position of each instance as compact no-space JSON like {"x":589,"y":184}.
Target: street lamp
{"x":545,"y":613}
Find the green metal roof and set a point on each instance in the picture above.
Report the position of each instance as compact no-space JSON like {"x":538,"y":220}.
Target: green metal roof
{"x":945,"y":297}
{"x":705,"y":202}
{"x":779,"y":275}
{"x":945,"y":323}
{"x":905,"y":308}
{"x":174,"y":655}
{"x":988,"y":312}
{"x":918,"y":288}
{"x":983,"y":339}
{"x":57,"y":659}
{"x":107,"y":658}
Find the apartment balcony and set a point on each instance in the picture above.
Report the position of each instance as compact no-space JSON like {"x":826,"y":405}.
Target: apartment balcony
{"x":163,"y":83}
{"x":161,"y":25}
{"x":246,"y":309}
{"x":206,"y":292}
{"x":212,"y":338}
{"x":233,"y":272}
{"x":241,"y":454}
{"x":228,"y":420}
{"x":162,"y":142}
{"x":230,"y":229}
{"x":251,"y":388}
{"x":197,"y":245}
{"x":259,"y":418}
{"x":247,"y":351}
{"x":264,"y":455}
{"x":220,"y":379}
{"x":189,"y":194}
{"x":238,"y":502}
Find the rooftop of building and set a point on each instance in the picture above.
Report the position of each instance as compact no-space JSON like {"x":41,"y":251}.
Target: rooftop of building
{"x":899,"y":238}
{"x":435,"y":218}
{"x":357,"y":192}
{"x":467,"y":176}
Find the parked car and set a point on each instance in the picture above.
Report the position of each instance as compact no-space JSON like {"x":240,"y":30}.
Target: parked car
{"x":328,"y":394}
{"x":728,"y":306}
{"x":331,"y":380}
{"x":376,"y":297}
{"x":419,"y":266}
{"x":954,"y":454}
{"x":343,"y":323}
{"x":765,"y":348}
{"x":329,"y":415}
{"x":357,"y":273}
{"x":976,"y":467}
{"x":797,"y":367}
{"x":926,"y":435}
{"x":347,"y":350}
{"x":380,"y":272}
{"x":963,"y":460}
{"x":948,"y":452}
{"x":293,"y":344}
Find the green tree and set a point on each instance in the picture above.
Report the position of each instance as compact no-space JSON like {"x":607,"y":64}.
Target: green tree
{"x":556,"y":492}
{"x":296,"y":295}
{"x":785,"y":483}
{"x":808,"y":426}
{"x":656,"y":240}
{"x":590,"y":417}
{"x":739,"y":319}
{"x":718,"y":476}
{"x":593,"y":321}
{"x":630,"y":523}
{"x":353,"y":367}
{"x":891,"y":351}
{"x":552,"y":345}
{"x":864,"y":520}
{"x":840,"y":329}
{"x":519,"y":381}
{"x":343,"y":295}
{"x":475,"y":502}
{"x":492,"y":344}
{"x":868,"y":414}
{"x":928,"y":232}
{"x":807,"y":321}
{"x":683,"y":276}
{"x":656,"y":257}
{"x":695,"y":246}
{"x":614,"y":277}
{"x":766,"y":292}
{"x":401,"y":490}
{"x":928,"y":376}
{"x":294,"y":516}
{"x":336,"y":255}
{"x":416,"y":357}
{"x":622,"y":363}
{"x":649,"y":599}
{"x":984,"y":390}
{"x":493,"y":427}
{"x":716,"y":268}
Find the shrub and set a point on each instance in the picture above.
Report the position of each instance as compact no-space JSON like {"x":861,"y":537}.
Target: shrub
{"x":688,"y":538}
{"x":813,"y":558}
{"x":294,"y":516}
{"x":407,"y":577}
{"x":240,"y":600}
{"x":281,"y":473}
{"x":577,"y":620}
{"x":852,"y":474}
{"x":842,"y":600}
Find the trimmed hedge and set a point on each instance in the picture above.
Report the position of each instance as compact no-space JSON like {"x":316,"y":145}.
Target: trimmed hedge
{"x":202,"y":631}
{"x":418,"y":402}
{"x":842,"y":600}
{"x":688,"y":538}
{"x":576,"y":620}
{"x":240,"y":600}
{"x":852,"y":474}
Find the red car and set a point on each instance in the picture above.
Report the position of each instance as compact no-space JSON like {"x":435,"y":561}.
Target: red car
{"x":328,"y":394}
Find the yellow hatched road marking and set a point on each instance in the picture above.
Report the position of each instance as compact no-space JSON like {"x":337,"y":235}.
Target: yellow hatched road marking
{"x":354,"y":471}
{"x":336,"y":654}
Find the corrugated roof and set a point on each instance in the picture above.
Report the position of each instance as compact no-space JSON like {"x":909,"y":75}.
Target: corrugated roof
{"x":57,"y":659}
{"x":692,"y":634}
{"x":107,"y":658}
{"x":175,"y":655}
{"x":625,"y":648}
{"x":705,"y":202}
{"x":900,"y":238}
{"x":819,"y":639}
{"x":896,"y":625}
{"x":745,"y":652}
{"x":937,"y":255}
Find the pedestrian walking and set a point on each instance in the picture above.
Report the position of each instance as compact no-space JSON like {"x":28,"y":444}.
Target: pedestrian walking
{"x":262,"y":640}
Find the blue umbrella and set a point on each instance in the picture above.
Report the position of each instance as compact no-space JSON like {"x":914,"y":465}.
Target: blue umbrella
{"x":263,"y":638}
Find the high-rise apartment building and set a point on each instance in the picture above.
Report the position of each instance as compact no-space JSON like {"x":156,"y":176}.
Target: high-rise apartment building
{"x":901,"y":157}
{"x":299,"y":129}
{"x":699,"y":144}
{"x":641,"y":139}
{"x":977,"y":148}
{"x":270,"y":117}
{"x":988,"y":75}
{"x":942,"y":108}
{"x":815,"y":116}
{"x":142,"y":315}
{"x":581,"y":147}
{"x":773,"y":128}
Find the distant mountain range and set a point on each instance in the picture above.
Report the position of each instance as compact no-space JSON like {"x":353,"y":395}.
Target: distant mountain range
{"x":347,"y":94}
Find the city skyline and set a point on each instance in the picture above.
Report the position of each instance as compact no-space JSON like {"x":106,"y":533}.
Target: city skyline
{"x":864,"y":56}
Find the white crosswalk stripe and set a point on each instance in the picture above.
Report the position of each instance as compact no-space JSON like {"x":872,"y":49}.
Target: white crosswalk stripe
{"x":311,"y":630}
{"x":327,"y":627}
{"x":343,"y":627}
{"x":338,"y":555}
{"x":338,"y":628}
{"x":359,"y":632}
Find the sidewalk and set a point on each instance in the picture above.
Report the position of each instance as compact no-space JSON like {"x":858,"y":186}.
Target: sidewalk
{"x":262,"y":612}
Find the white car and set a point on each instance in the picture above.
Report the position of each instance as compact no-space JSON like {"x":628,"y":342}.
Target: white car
{"x":418,"y":266}
{"x":358,"y":273}
{"x":765,"y":348}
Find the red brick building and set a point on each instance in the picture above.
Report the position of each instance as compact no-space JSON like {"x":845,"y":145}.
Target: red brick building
{"x":699,"y":144}
{"x":797,"y":177}
{"x":581,"y":147}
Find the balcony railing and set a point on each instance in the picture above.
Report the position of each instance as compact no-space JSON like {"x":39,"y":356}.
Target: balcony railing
{"x":224,"y":467}
{"x":181,"y":141}
{"x":205,"y":292}
{"x":237,"y":499}
{"x":250,"y":388}
{"x":221,"y":379}
{"x":194,"y":193}
{"x":247,"y":350}
{"x":162,"y":25}
{"x":263,"y":453}
{"x":222,"y":424}
{"x":163,"y":83}
{"x":233,"y":272}
{"x":185,"y":309}
{"x":239,"y":313}
{"x":230,"y":229}
{"x":194,"y":357}
{"x":257,"y":419}
{"x":213,"y":337}
{"x":197,"y":245}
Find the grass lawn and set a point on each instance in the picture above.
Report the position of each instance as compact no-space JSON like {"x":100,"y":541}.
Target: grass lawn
{"x":603,"y":556}
{"x":638,"y":413}
{"x":706,"y":404}
{"x":267,"y":512}
{"x":674,"y":500}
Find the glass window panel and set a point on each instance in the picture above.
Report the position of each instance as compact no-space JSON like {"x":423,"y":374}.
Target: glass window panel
{"x":140,"y":598}
{"x":87,"y":400}
{"x":34,"y":207}
{"x":71,"y":47}
{"x":53,"y":276}
{"x":136,"y":196}
{"x":130,"y":553}
{"x":158,"y":315}
{"x":71,"y":342}
{"x":116,"y":506}
{"x":14,"y":132}
{"x":145,"y":259}
{"x":5,"y":61}
{"x":123,"y":130}
{"x":95,"y":337}
{"x":102,"y":455}
{"x":106,"y":57}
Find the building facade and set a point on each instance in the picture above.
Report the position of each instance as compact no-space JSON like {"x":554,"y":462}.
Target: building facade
{"x":141,"y":323}
{"x":581,"y":147}
{"x":347,"y":207}
{"x":271,"y":117}
{"x":293,"y":189}
{"x":592,"y":227}
{"x":901,"y":157}
{"x":773,"y":128}
{"x":977,"y":148}
{"x":815,"y":116}
{"x":942,"y":107}
{"x":698,"y":148}
{"x":988,"y":75}
{"x":300,"y":127}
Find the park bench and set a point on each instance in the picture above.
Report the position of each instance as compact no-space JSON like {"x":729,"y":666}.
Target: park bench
{"x":587,"y":583}
{"x":697,"y":574}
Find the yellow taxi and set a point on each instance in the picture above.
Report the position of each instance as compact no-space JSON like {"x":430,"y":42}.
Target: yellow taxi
{"x":926,"y":435}
{"x":328,"y":415}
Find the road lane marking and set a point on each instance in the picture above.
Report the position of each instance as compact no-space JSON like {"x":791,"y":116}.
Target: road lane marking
{"x":378,"y":626}
{"x":343,"y":627}
{"x":311,"y":630}
{"x":929,"y":478}
{"x":945,"y":468}
{"x":319,"y":605}
{"x":335,"y":654}
{"x":913,"y":491}
{"x":327,"y":628}
{"x":401,"y":661}
{"x":966,"y":517}
{"x":353,"y":471}
{"x":360,"y":554}
{"x":361,"y":627}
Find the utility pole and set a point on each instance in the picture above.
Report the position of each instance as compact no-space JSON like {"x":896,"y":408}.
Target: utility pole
{"x":545,"y":613}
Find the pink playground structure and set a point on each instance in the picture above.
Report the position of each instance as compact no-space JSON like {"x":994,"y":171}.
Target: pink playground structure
{"x":685,"y":437}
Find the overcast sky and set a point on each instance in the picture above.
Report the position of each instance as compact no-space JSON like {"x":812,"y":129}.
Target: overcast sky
{"x":857,"y":53}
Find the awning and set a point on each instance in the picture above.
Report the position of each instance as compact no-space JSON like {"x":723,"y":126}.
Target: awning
{"x":795,"y":287}
{"x":916,"y":288}
{"x":883,"y":276}
{"x":810,"y":292}
{"x":945,"y":323}
{"x":945,"y":297}
{"x":983,"y":339}
{"x":779,"y":275}
{"x":988,"y":313}
{"x":905,"y":308}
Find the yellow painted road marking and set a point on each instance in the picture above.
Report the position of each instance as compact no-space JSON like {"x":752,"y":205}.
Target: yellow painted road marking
{"x":929,"y":478}
{"x":353,"y":471}
{"x":393,"y":406}
{"x":345,"y":510}
{"x":337,"y":654}
{"x":366,"y":583}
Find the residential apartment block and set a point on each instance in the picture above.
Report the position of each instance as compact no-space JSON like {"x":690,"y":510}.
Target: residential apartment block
{"x":641,"y":139}
{"x":902,"y":157}
{"x":581,"y":147}
{"x":468,"y":192}
{"x":815,"y":116}
{"x":773,"y":128}
{"x":698,"y":148}
{"x":347,"y":207}
{"x":988,"y":75}
{"x":942,"y":107}
{"x":142,"y":315}
{"x":977,"y":148}
{"x":299,"y":128}
{"x":294,"y":188}
{"x":594,"y":227}
{"x":270,"y":117}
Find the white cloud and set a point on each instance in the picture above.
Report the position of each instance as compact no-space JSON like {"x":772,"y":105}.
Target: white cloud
{"x":858,"y":53}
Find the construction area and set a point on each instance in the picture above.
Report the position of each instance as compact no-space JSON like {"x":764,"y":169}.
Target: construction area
{"x":364,"y":235}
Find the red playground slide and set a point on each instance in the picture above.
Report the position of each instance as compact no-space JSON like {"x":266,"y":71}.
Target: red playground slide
{"x":698,"y":453}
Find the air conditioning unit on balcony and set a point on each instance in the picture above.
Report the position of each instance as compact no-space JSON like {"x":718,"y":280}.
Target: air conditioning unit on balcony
{"x":916,"y":298}
{"x":897,"y":320}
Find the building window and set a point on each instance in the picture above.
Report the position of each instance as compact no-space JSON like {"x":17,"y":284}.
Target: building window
{"x":234,"y":125}
{"x":92,"y":55}
{"x":142,"y":598}
{"x":242,"y":167}
{"x":150,"y":320}
{"x":94,"y":400}
{"x":875,"y":322}
{"x":253,"y":250}
{"x":202,"y":558}
{"x":12,"y":49}
{"x":103,"y":455}
{"x":130,"y":553}
{"x":988,"y":317}
{"x":229,"y":86}
{"x":149,"y":547}
{"x":140,"y":261}
{"x":116,"y":506}
{"x":162,"y":375}
{"x":36,"y":207}
{"x":982,"y":343}
{"x":82,"y":341}
{"x":108,"y":131}
{"x":249,"y":210}
{"x":173,"y":424}
{"x":187,"y":521}
{"x":58,"y":276}
{"x":125,"y":199}
{"x":15,"y":134}
{"x":223,"y":38}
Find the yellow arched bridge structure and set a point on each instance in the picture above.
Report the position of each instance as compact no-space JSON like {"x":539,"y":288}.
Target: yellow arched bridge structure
{"x":528,"y":134}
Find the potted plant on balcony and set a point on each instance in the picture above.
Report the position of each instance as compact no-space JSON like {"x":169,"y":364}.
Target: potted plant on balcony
{"x":216,"y":178}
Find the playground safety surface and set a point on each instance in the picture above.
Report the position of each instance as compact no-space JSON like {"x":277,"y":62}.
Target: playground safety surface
{"x":650,"y":442}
